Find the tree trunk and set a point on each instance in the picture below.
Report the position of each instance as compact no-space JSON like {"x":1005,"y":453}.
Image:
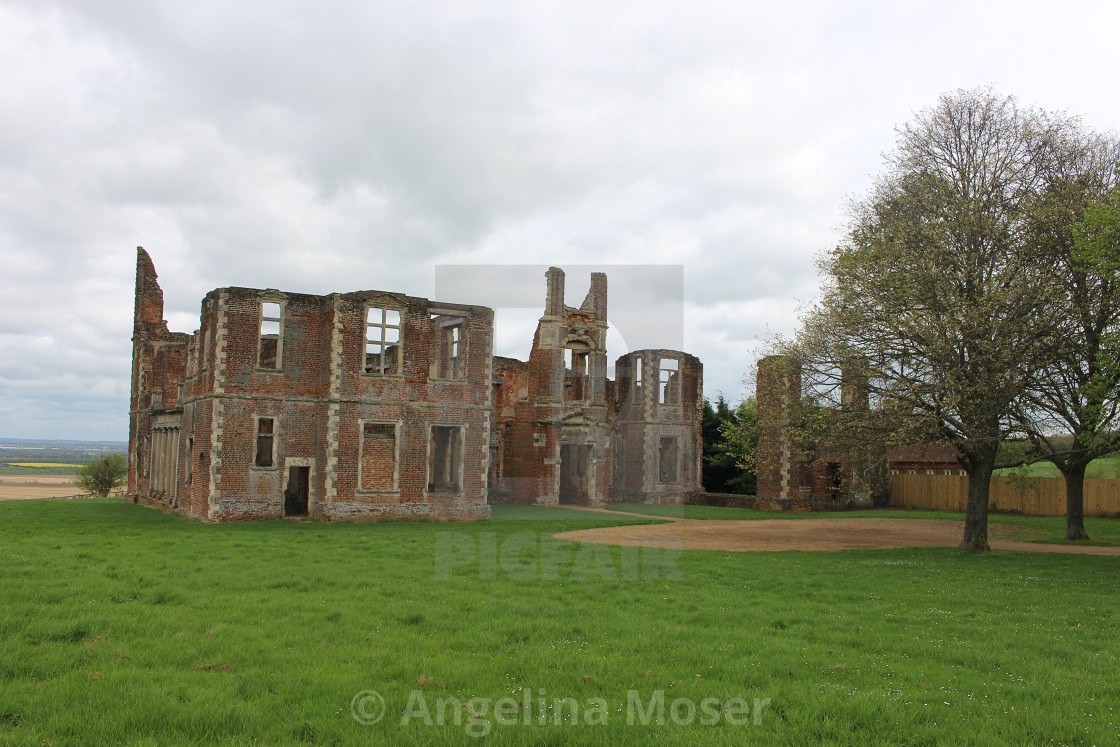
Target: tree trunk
{"x":976,"y":519}
{"x":1074,"y":473}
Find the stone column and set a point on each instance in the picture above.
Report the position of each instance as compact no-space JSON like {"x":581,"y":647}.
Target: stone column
{"x":778,"y":461}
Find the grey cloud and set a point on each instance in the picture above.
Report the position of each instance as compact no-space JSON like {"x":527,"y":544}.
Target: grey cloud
{"x":333,"y":146}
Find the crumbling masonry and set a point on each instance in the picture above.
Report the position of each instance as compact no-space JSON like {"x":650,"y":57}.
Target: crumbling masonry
{"x":849,"y":474}
{"x":374,"y":404}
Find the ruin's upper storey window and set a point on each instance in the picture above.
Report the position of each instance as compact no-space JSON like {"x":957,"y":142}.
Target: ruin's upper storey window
{"x":383,"y":340}
{"x":448,"y":346}
{"x":575,"y":373}
{"x":669,"y":382}
{"x":272,"y":317}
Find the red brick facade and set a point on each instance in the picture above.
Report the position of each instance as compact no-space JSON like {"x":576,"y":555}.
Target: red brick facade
{"x":337,"y":423}
{"x":566,"y":434}
{"x":372,"y":404}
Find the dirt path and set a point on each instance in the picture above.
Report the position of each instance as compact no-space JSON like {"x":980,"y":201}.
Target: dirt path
{"x":768,"y":535}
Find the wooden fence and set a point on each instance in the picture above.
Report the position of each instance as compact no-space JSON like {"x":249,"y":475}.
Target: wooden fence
{"x":1038,"y":496}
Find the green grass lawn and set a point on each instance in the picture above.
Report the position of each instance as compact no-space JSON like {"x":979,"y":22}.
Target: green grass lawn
{"x":124,"y":625}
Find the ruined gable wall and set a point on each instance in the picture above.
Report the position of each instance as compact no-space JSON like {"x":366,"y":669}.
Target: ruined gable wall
{"x":158,"y":368}
{"x":563,"y":410}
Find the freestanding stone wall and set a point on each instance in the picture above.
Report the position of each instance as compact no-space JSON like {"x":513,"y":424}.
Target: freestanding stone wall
{"x":846,"y":470}
{"x":779,"y":463}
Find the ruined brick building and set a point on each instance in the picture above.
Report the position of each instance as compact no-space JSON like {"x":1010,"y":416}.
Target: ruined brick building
{"x":373,"y":404}
{"x":848,"y":475}
{"x":566,"y":433}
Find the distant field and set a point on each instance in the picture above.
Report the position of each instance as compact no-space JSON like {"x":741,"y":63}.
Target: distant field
{"x":32,"y":458}
{"x":16,"y":487}
{"x":30,"y":469}
{"x":41,"y":464}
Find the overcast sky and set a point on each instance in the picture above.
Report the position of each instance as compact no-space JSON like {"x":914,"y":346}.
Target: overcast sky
{"x":325,"y":146}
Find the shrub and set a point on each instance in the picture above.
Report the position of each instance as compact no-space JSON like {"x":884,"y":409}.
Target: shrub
{"x":101,"y":476}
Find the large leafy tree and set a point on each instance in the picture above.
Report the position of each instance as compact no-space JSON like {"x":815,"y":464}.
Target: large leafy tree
{"x":938,"y":288}
{"x":1076,"y":222}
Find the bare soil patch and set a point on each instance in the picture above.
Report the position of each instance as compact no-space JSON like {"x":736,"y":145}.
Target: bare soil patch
{"x":812,"y":534}
{"x":22,"y":487}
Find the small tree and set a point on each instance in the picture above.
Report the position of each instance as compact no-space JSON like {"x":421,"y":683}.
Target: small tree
{"x":102,"y":476}
{"x":729,"y":436}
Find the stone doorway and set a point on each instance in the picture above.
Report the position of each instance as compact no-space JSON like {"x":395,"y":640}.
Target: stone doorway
{"x":297,"y":492}
{"x":575,"y":474}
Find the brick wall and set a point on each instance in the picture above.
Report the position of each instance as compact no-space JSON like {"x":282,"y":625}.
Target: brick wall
{"x":505,"y":423}
{"x":778,"y":462}
{"x":317,"y":396}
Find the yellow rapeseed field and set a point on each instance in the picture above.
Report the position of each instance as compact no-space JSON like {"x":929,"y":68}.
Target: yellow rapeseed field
{"x":39,"y":464}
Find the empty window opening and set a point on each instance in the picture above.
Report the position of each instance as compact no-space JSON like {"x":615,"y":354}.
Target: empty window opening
{"x":298,"y":491}
{"x":269,"y":356}
{"x":383,"y":337}
{"x":379,"y":457}
{"x":448,"y":335}
{"x":497,"y":467}
{"x":637,"y":377}
{"x":205,"y":357}
{"x":669,"y":382}
{"x":575,"y":374}
{"x":667,"y":458}
{"x":445,"y":459}
{"x":620,"y":462}
{"x":190,"y":458}
{"x":265,"y":442}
